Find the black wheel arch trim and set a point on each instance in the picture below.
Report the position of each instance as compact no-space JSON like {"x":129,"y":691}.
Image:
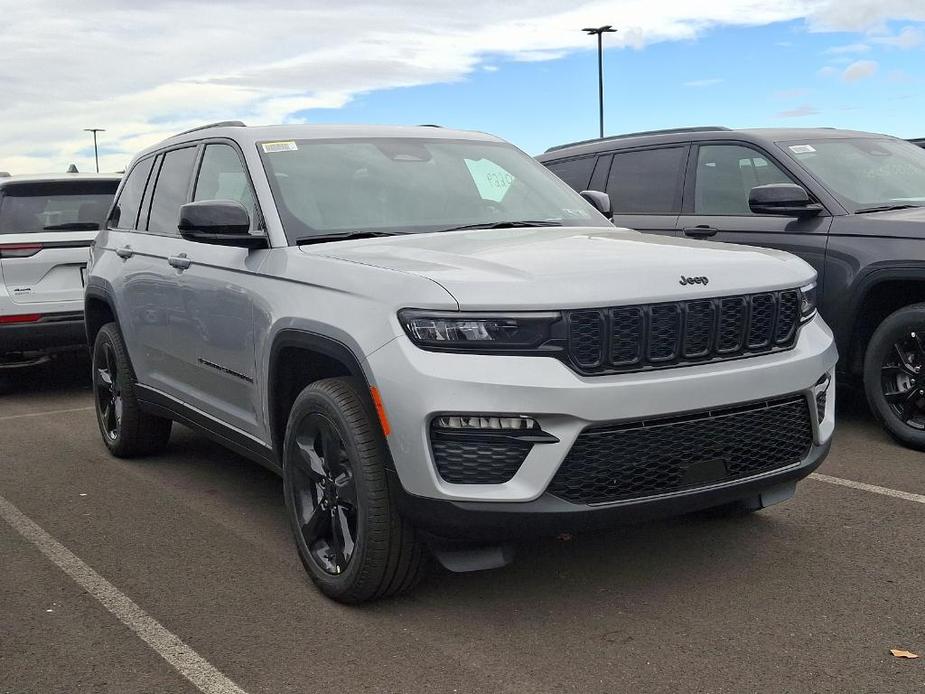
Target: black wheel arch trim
{"x":317,"y":342}
{"x":862,"y":287}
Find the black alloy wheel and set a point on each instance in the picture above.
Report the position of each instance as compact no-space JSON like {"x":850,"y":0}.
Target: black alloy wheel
{"x":324,"y":495}
{"x":902,"y":379}
{"x":108,"y":392}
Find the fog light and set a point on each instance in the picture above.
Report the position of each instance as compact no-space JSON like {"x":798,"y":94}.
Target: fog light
{"x":480,"y":422}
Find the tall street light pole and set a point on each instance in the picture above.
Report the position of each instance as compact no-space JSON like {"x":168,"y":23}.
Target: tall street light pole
{"x":96,"y":153}
{"x":599,"y":32}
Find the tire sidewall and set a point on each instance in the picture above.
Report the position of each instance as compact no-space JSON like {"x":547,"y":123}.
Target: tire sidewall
{"x":887,"y":333}
{"x":309,"y":402}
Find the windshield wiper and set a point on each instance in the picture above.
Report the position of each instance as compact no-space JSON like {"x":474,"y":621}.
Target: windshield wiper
{"x":73,"y":226}
{"x":885,"y":208}
{"x":514,"y":224}
{"x":324,"y":238}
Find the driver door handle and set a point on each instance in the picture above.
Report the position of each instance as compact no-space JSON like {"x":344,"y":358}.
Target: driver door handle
{"x":181,"y":262}
{"x":700,"y":231}
{"x":125,"y":252}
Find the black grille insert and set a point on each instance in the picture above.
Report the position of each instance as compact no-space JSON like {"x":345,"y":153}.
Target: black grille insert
{"x":638,"y":459}
{"x":634,"y":338}
{"x":471,"y":459}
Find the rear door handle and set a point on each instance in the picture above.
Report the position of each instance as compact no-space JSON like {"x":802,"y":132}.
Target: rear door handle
{"x":125,"y":252}
{"x":700,"y":231}
{"x":181,"y":262}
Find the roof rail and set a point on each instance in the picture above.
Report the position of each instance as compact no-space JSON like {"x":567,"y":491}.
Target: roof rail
{"x":4,"y":174}
{"x":429,"y":125}
{"x":669,"y":131}
{"x":219,"y":124}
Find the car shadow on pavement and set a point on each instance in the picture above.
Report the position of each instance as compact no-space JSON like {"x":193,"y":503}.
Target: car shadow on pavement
{"x":66,"y":374}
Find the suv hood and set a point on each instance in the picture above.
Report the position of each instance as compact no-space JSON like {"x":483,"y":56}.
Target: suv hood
{"x":571,"y":267}
{"x":897,"y":224}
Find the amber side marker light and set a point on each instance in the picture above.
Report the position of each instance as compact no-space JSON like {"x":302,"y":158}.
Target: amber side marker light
{"x":380,"y":410}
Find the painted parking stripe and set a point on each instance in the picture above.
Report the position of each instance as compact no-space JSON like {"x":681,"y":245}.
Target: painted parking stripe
{"x":885,"y":491}
{"x":47,"y":413}
{"x":187,"y":662}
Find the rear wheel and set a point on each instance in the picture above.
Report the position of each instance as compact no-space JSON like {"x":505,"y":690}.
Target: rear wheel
{"x":127,"y":430}
{"x":894,"y":375}
{"x":349,"y":535}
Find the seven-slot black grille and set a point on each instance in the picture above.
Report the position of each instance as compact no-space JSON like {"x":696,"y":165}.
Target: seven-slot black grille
{"x":633,"y":338}
{"x":638,"y":459}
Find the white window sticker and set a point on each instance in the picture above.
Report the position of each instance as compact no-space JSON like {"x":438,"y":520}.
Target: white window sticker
{"x":802,"y":149}
{"x":289,"y":146}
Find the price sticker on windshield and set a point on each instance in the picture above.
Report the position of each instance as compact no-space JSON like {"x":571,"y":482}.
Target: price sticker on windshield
{"x":802,"y":149}
{"x":288,"y":146}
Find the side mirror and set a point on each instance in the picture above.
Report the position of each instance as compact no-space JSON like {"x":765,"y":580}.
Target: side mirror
{"x":786,"y":199}
{"x":601,"y":202}
{"x":219,"y":222}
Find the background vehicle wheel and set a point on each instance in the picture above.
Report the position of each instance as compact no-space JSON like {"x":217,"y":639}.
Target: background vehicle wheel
{"x":127,"y":430}
{"x":349,"y":535}
{"x":894,"y":375}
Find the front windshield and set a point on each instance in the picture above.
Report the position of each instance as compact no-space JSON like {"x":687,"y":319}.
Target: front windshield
{"x":394,"y":185}
{"x":55,"y":206}
{"x":865,"y":172}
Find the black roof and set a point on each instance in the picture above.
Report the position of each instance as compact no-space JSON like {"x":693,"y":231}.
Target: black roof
{"x":763,"y":136}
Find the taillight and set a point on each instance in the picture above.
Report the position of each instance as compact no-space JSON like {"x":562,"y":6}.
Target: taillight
{"x":21,"y":318}
{"x":19,"y":250}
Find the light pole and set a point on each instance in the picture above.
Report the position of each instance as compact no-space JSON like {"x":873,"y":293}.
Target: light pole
{"x":599,"y":32}
{"x":96,"y":154}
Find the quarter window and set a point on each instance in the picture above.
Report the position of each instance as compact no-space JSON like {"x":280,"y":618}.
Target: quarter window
{"x":171,"y":190}
{"x":726,"y":174}
{"x":222,"y":177}
{"x":125,"y":213}
{"x":646,"y":181}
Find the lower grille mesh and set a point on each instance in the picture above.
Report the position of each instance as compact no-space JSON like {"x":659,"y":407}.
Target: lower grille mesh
{"x":478,"y":461}
{"x":639,"y":459}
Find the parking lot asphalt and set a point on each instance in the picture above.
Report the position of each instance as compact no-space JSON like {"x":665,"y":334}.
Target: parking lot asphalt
{"x":807,"y":596}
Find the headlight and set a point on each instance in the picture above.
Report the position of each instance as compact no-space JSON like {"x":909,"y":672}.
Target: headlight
{"x":475,"y":332}
{"x":807,"y":302}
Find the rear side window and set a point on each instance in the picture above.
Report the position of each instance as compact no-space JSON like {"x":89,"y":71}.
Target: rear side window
{"x":646,"y":181}
{"x":171,"y":190}
{"x":125,"y":213}
{"x":222,"y":177}
{"x":77,"y":205}
{"x":575,"y":172}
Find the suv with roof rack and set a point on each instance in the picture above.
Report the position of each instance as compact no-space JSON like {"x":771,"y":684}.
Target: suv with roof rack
{"x":47,"y":224}
{"x":438,"y":344}
{"x":849,"y":203}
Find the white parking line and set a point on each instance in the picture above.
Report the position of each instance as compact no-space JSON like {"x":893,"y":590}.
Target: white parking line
{"x":187,"y":662}
{"x":44,"y":414}
{"x":885,"y":491}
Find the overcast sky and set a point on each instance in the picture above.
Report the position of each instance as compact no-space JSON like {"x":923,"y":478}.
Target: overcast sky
{"x":523,"y":69}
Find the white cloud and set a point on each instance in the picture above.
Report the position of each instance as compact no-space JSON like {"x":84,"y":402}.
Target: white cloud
{"x":705,"y":82}
{"x":827,"y":71}
{"x":859,"y":70}
{"x":798,"y":112}
{"x":909,"y":37}
{"x":145,"y":69}
{"x":850,"y":48}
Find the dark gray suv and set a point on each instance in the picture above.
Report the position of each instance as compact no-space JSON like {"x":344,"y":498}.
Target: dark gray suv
{"x":849,"y":203}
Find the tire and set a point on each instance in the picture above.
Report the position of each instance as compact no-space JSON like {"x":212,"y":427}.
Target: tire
{"x":894,"y":375}
{"x":349,"y":535}
{"x":127,"y":431}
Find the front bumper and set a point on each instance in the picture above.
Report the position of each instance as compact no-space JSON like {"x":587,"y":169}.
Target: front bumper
{"x":549,"y":515}
{"x":416,"y":386}
{"x":53,"y":333}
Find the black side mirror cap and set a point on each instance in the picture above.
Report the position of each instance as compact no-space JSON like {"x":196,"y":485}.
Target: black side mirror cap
{"x":601,"y":202}
{"x":784,"y":199}
{"x":219,"y":222}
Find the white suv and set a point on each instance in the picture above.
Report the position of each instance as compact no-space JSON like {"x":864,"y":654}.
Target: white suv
{"x":438,"y":344}
{"x":47,"y":224}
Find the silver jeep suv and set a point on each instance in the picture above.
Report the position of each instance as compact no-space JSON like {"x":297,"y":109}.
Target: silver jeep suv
{"x":439,"y":345}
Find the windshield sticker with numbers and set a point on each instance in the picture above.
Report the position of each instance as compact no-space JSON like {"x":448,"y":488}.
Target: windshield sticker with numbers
{"x":288,"y":146}
{"x":802,"y":149}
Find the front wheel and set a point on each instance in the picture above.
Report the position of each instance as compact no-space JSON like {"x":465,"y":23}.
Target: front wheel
{"x":349,"y":535}
{"x":894,"y":375}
